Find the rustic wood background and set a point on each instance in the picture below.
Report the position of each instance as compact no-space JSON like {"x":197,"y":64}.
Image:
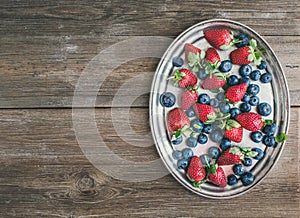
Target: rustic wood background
{"x":45,"y":45}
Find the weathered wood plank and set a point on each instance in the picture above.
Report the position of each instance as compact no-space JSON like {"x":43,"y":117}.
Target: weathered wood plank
{"x":45,"y":174}
{"x":142,"y":18}
{"x":48,"y":75}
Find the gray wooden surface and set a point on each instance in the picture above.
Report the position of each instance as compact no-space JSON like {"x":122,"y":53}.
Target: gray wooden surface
{"x":45,"y":46}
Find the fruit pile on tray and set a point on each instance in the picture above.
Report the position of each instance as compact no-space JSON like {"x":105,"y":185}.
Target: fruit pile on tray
{"x":221,"y":106}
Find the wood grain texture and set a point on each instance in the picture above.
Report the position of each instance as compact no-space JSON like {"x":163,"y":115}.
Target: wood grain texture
{"x":44,"y":174}
{"x":44,"y":48}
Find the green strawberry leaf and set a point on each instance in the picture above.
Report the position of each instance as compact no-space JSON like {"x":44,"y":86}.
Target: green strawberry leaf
{"x":253,"y":43}
{"x":215,"y":90}
{"x":235,"y":150}
{"x":211,"y":116}
{"x":281,"y":137}
{"x":202,"y":55}
{"x":251,"y":154}
{"x":250,"y":57}
{"x":193,"y":59}
{"x":268,"y":122}
{"x":225,"y":47}
{"x":246,"y":149}
{"x":233,"y":123}
{"x":195,"y":69}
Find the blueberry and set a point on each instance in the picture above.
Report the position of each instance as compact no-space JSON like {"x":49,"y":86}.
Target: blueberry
{"x":207,"y":128}
{"x":196,"y":125}
{"x":191,"y":142}
{"x":256,"y":136}
{"x":214,"y":152}
{"x":247,"y":161}
{"x":231,"y":179}
{"x":202,"y":138}
{"x":177,"y":141}
{"x":246,"y":98}
{"x":269,"y":140}
{"x":220,"y":96}
{"x":238,"y":169}
{"x":245,"y":70}
{"x":187,"y":153}
{"x":234,"y":111}
{"x":247,"y":178}
{"x":262,"y":66}
{"x":266,"y":77}
{"x":253,"y":89}
{"x":214,"y":103}
{"x":225,"y":66}
{"x":225,"y":143}
{"x":245,"y":79}
{"x":190,"y":112}
{"x":264,"y":109}
{"x":177,"y":155}
{"x":255,"y":75}
{"x":205,"y":159}
{"x":183,"y":164}
{"x":232,"y":80}
{"x":245,"y":107}
{"x":167,"y":99}
{"x":224,"y":107}
{"x":201,"y":74}
{"x":260,"y":153}
{"x":243,"y":41}
{"x":204,"y":99}
{"x":216,"y":135}
{"x":269,"y":129}
{"x":254,"y":101}
{"x":177,"y":61}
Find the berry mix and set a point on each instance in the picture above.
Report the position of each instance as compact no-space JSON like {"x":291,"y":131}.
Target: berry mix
{"x":220,"y":106}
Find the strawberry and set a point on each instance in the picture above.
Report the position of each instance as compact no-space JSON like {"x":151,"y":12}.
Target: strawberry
{"x":215,"y":81}
{"x":189,"y":48}
{"x":250,"y":121}
{"x":236,"y":93}
{"x":221,"y":39}
{"x":216,"y":175}
{"x":247,"y":54}
{"x":184,"y":78}
{"x":196,"y":172}
{"x":233,"y":131}
{"x":205,"y":112}
{"x":212,"y":57}
{"x":235,"y":155}
{"x":176,"y":120}
{"x":188,"y":98}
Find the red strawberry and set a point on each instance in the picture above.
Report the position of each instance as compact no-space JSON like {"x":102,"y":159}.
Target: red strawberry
{"x":190,"y":48}
{"x":218,"y":177}
{"x":235,"y":155}
{"x":232,"y":155}
{"x":219,"y":38}
{"x":196,"y":172}
{"x":247,"y":54}
{"x":188,"y":98}
{"x":233,"y":131}
{"x":215,"y":81}
{"x":176,"y":120}
{"x":185,"y":78}
{"x":250,"y":121}
{"x":212,"y":56}
{"x":204,"y":112}
{"x":236,"y":93}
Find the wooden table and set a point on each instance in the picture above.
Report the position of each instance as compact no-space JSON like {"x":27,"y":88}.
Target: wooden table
{"x":45,"y":46}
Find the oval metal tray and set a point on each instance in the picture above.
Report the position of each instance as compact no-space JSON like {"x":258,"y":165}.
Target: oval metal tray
{"x":275,"y":94}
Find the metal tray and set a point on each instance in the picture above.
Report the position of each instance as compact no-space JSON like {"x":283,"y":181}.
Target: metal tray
{"x":275,"y":93}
